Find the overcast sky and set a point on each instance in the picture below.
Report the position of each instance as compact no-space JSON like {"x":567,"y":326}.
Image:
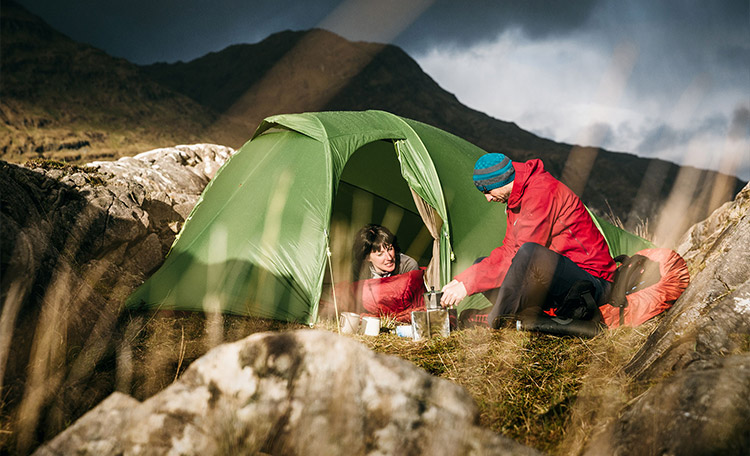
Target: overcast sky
{"x":668,"y":79}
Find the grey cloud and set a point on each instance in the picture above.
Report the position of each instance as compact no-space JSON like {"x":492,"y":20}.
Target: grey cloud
{"x":678,"y":40}
{"x":463,"y":23}
{"x":149,"y":30}
{"x":600,"y":134}
{"x":546,"y":132}
{"x":663,"y":136}
{"x":144,"y":31}
{"x":665,"y":28}
{"x":734,"y":56}
{"x":659,"y":138}
{"x":743,"y":171}
{"x":739,"y":126}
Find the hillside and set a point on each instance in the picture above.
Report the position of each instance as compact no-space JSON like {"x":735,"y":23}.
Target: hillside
{"x":318,"y":70}
{"x":69,"y":100}
{"x":72,"y":101}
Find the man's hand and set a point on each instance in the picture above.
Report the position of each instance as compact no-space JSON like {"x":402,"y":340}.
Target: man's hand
{"x":453,"y":293}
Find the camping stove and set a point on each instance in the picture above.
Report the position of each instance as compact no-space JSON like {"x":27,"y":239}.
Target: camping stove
{"x":433,"y":320}
{"x":432,"y":299}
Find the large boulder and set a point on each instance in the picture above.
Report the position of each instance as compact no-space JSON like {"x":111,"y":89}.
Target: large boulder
{"x":697,"y":358}
{"x":125,"y":213}
{"x":74,"y":241}
{"x":302,"y":392}
{"x":712,"y":317}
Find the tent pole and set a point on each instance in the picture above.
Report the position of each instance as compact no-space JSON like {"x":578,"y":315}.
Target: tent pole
{"x":333,"y":287}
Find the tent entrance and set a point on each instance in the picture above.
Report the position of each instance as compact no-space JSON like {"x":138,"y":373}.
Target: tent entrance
{"x":372,"y":190}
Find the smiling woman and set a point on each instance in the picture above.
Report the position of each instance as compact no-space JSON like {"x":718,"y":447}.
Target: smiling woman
{"x":377,"y":254}
{"x":386,"y":282}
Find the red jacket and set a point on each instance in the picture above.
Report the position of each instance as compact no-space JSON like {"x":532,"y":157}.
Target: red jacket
{"x":542,"y":209}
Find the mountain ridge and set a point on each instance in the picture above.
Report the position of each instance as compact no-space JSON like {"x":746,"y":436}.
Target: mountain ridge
{"x":89,"y":105}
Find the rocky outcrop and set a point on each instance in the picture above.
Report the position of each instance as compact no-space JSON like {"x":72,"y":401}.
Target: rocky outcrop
{"x":701,"y":241}
{"x":712,"y":317}
{"x":302,"y":392}
{"x":697,"y":358}
{"x":74,"y":242}
{"x":125,"y":213}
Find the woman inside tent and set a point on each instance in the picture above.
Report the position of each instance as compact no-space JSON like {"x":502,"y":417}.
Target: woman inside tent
{"x":377,"y":254}
{"x":388,"y":283}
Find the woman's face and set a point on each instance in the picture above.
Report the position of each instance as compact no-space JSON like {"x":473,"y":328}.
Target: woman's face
{"x":384,"y":260}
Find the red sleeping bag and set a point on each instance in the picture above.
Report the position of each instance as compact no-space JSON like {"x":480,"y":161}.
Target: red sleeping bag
{"x":654,"y":299}
{"x":392,"y":297}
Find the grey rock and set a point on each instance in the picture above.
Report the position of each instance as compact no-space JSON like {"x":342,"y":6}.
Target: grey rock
{"x":86,"y":435}
{"x":179,"y":172}
{"x":87,"y":216}
{"x":80,"y":241}
{"x":701,"y":410}
{"x":301,"y":392}
{"x":700,"y":239}
{"x":696,"y":362}
{"x":707,"y":318}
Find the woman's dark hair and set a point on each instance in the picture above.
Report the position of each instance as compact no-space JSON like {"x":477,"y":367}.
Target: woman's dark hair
{"x":370,"y":238}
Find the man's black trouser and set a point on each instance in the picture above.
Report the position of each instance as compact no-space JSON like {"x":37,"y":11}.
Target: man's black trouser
{"x":539,"y":279}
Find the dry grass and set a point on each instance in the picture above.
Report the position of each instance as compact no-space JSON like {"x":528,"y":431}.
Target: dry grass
{"x":605,"y":388}
{"x":548,"y":392}
{"x":551,"y":393}
{"x":156,"y":349}
{"x":523,"y":383}
{"x":641,"y":228}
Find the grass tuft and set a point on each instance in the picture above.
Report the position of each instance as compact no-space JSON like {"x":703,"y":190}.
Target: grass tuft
{"x":91,"y":174}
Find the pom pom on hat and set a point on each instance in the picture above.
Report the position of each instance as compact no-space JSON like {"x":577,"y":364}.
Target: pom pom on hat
{"x":493,"y":171}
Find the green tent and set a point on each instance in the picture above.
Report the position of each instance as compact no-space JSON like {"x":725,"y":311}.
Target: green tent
{"x":263,"y":238}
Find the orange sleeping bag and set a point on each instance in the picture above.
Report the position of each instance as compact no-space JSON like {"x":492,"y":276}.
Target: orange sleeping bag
{"x":632,"y":301}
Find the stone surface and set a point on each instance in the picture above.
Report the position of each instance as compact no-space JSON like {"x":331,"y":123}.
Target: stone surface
{"x":712,"y":317}
{"x":302,"y":392}
{"x":701,"y":410}
{"x":700,"y":239}
{"x":110,"y":215}
{"x":695,"y":367}
{"x":73,"y":243}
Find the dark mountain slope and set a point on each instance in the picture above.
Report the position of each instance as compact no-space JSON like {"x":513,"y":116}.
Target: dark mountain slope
{"x":322,"y":71}
{"x":59,"y":96}
{"x":63,"y":99}
{"x":318,"y":70}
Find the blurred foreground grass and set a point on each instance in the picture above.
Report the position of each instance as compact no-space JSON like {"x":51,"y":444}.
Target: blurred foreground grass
{"x":548,"y":392}
{"x":551,"y":393}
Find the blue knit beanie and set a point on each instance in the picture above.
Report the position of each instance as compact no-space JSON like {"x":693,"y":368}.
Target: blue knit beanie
{"x":492,"y":171}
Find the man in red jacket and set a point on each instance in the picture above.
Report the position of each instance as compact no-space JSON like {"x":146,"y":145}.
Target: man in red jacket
{"x":552,"y":253}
